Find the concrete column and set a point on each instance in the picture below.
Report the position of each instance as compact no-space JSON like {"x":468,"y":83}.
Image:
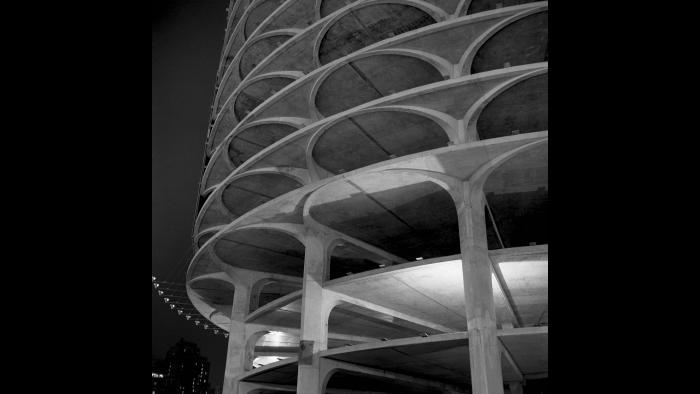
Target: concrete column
{"x":515,"y":387}
{"x":314,"y":313}
{"x":484,"y":352}
{"x":236,"y":352}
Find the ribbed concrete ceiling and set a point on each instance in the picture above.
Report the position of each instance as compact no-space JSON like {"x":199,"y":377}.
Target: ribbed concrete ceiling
{"x":248,"y":192}
{"x":411,"y":221}
{"x":262,"y":250}
{"x":367,"y":25}
{"x":373,"y":137}
{"x":252,"y":56}
{"x":259,"y":14}
{"x":518,"y":197}
{"x":257,"y":92}
{"x":330,"y":6}
{"x":254,"y":139}
{"x":214,"y":291}
{"x":369,"y":78}
{"x":486,"y":5}
{"x":522,"y":108}
{"x":522,"y":42}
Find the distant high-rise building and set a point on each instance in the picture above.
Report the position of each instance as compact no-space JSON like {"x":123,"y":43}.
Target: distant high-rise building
{"x":157,"y":376}
{"x":185,"y":370}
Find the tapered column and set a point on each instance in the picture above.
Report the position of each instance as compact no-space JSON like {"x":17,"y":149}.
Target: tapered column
{"x":236,"y":354}
{"x":314,"y":314}
{"x":484,"y":352}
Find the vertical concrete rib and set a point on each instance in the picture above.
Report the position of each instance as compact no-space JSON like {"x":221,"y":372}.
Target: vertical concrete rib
{"x":484,"y":351}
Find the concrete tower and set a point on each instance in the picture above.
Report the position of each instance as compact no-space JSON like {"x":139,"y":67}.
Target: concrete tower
{"x":374,"y":210}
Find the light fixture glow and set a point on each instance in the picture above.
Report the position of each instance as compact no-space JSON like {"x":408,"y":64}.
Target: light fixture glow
{"x":179,"y":311}
{"x":166,"y":299}
{"x":188,"y":317}
{"x":160,"y":292}
{"x":153,"y":278}
{"x":156,"y":285}
{"x":172,"y":306}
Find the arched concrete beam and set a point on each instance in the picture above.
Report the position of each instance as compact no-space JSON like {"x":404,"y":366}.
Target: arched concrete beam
{"x":232,"y":75}
{"x":397,"y":99}
{"x":317,"y":172}
{"x":228,"y":106}
{"x":198,"y":236}
{"x":215,"y":199}
{"x":472,"y":116}
{"x":260,"y":284}
{"x":435,"y":12}
{"x":465,"y":64}
{"x":403,"y":40}
{"x":441,"y":65}
{"x":271,"y":306}
{"x":315,"y":74}
{"x":220,"y":155}
{"x":479,"y":178}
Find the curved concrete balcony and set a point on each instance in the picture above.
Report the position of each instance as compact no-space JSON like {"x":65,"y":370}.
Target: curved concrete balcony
{"x":451,"y":41}
{"x":377,"y":177}
{"x":449,"y":113}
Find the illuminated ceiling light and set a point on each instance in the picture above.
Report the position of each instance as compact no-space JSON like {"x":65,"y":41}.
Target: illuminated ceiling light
{"x":166,"y":299}
{"x":160,"y":292}
{"x":156,"y":285}
{"x":419,"y":258}
{"x":188,"y":317}
{"x":206,"y":326}
{"x":196,"y":322}
{"x":153,"y":278}
{"x":179,"y":311}
{"x":172,"y":306}
{"x":382,"y":265}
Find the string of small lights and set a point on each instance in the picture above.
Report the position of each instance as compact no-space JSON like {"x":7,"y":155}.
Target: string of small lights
{"x":175,"y":296}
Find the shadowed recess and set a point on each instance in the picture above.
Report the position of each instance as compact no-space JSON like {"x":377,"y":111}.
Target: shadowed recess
{"x":204,"y":238}
{"x":254,"y":139}
{"x":259,"y":14}
{"x":272,"y":290}
{"x":524,"y":41}
{"x":214,"y":291}
{"x":263,"y":250}
{"x":350,"y":319}
{"x":487,"y":5}
{"x":367,"y":25}
{"x":363,"y":383}
{"x":374,"y":137}
{"x":258,"y":51}
{"x":517,"y":196}
{"x":410,"y":220}
{"x":347,"y":259}
{"x":257,"y":92}
{"x":370,"y":78}
{"x":330,"y":6}
{"x":522,"y":108}
{"x":248,"y":192}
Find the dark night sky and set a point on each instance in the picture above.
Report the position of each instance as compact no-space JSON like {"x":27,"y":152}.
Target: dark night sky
{"x":186,"y":41}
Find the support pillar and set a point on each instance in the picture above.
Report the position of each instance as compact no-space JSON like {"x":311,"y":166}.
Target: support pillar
{"x":484,"y":352}
{"x":315,"y":307}
{"x":236,"y":354}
